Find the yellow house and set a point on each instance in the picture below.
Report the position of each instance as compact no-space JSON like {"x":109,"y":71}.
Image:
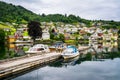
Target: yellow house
{"x":11,"y":39}
{"x":12,"y":46}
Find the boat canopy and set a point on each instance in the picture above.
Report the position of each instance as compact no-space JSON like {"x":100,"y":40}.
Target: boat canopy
{"x":72,"y":47}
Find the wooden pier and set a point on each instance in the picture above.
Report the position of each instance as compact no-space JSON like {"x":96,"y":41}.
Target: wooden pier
{"x":10,"y":68}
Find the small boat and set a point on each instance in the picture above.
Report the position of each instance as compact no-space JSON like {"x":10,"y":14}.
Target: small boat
{"x":70,"y":52}
{"x":58,"y":46}
{"x":38,"y":48}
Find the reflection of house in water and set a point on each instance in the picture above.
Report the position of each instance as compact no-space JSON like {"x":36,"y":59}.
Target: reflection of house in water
{"x":100,"y":52}
{"x":111,"y":47}
{"x":18,"y":49}
{"x":11,"y":39}
{"x":105,"y":47}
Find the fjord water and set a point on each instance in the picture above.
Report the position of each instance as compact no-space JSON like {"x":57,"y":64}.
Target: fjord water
{"x":100,"y":62}
{"x":87,"y":70}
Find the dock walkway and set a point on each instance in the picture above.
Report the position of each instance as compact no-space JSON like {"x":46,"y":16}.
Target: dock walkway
{"x":16,"y":65}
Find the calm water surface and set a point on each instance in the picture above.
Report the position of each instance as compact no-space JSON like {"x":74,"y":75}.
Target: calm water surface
{"x":87,"y":70}
{"x":100,"y":62}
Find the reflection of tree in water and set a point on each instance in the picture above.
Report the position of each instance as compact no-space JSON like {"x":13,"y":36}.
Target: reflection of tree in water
{"x":6,"y":52}
{"x":2,"y":51}
{"x":118,"y":45}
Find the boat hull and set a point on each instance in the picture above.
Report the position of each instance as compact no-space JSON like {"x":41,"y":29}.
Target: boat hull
{"x":67,"y":56}
{"x":33,"y":52}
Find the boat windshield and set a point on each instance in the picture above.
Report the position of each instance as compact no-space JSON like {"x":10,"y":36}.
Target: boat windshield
{"x":36,"y":49}
{"x":33,"y":49}
{"x":69,"y":50}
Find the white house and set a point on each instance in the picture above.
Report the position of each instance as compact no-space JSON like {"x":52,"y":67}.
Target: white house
{"x":45,"y":35}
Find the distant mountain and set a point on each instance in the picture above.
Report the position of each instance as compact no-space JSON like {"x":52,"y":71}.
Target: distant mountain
{"x":18,"y":14}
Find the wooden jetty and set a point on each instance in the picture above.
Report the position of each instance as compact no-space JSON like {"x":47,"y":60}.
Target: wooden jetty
{"x":10,"y":68}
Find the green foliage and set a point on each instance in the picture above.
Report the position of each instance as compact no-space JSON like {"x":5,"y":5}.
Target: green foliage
{"x":2,"y":51}
{"x":112,"y":55}
{"x":25,"y":33}
{"x":2,"y":36}
{"x":51,"y":36}
{"x":69,"y":41}
{"x":88,"y":56}
{"x":18,"y":14}
{"x":61,"y":37}
{"x":76,"y":41}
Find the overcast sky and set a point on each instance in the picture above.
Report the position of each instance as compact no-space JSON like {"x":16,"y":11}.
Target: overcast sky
{"x":88,"y":9}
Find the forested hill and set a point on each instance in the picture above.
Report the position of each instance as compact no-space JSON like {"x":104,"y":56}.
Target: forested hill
{"x":12,"y":13}
{"x":18,"y":14}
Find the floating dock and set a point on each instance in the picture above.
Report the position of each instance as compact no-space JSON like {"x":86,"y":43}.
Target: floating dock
{"x":10,"y":68}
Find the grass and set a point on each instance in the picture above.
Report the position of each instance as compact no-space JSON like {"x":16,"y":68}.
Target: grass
{"x":69,"y":41}
{"x":2,"y":26}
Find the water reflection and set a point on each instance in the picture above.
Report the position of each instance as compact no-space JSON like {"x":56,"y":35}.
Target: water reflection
{"x":2,"y":51}
{"x":99,"y":62}
{"x":105,"y":47}
{"x":97,"y":52}
{"x":87,"y":70}
{"x":13,"y":50}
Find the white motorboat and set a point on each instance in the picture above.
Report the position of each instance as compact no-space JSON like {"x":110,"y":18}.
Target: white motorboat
{"x":38,"y":48}
{"x":70,"y":52}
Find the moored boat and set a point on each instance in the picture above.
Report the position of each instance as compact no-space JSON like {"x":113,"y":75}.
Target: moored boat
{"x":70,"y":52}
{"x":38,"y":48}
{"x":58,"y":46}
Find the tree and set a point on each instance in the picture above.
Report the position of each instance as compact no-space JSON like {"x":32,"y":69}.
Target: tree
{"x":119,"y":33}
{"x":2,"y":36}
{"x":76,"y":41}
{"x":51,"y":36}
{"x":62,"y":37}
{"x":34,"y":30}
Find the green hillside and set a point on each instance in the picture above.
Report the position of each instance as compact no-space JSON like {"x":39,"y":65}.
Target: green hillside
{"x":12,"y":13}
{"x":18,"y":14}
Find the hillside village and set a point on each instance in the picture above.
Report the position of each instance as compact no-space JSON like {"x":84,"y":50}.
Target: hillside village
{"x":61,"y":27}
{"x":69,"y":32}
